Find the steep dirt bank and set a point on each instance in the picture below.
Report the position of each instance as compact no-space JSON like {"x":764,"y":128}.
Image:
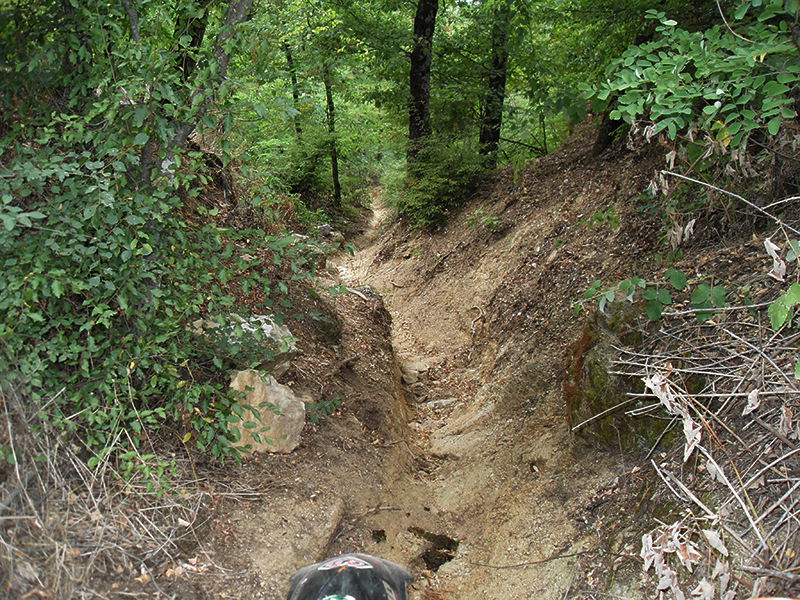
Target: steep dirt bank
{"x":452,"y":452}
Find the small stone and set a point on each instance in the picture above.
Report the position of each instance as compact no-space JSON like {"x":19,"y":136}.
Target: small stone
{"x":445,"y":402}
{"x":432,"y":424}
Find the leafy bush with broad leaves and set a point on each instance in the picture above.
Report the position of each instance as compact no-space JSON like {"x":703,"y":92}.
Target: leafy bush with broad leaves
{"x":730,"y":82}
{"x":706,"y":299}
{"x":97,"y":294}
{"x":103,"y":268}
{"x":722,"y":97}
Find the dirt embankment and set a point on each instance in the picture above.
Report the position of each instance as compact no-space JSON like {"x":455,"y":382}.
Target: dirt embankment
{"x":489,"y":309}
{"x":452,"y":453}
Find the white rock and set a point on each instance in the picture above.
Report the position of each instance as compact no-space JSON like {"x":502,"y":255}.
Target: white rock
{"x":262,"y":339}
{"x":416,"y":366}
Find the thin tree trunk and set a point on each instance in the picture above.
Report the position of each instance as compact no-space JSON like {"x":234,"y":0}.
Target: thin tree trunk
{"x":337,"y":190}
{"x":237,"y":12}
{"x":195,"y":28}
{"x":287,"y":52}
{"x":133,"y":18}
{"x":419,"y":117}
{"x":492,"y":121}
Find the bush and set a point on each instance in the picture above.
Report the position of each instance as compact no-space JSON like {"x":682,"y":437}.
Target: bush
{"x":100,"y":283}
{"x":105,"y":262}
{"x":438,"y":180}
{"x":716,"y":90}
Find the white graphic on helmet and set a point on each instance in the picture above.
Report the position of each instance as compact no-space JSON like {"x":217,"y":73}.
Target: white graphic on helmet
{"x":390,"y":593}
{"x":345,"y":561}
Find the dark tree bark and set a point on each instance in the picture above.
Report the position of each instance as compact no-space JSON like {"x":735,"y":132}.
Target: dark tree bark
{"x":195,"y":28}
{"x":492,"y":121}
{"x":419,"y":122}
{"x":133,"y":18}
{"x":287,"y":52}
{"x":337,"y":189}
{"x":607,"y":132}
{"x":236,"y":14}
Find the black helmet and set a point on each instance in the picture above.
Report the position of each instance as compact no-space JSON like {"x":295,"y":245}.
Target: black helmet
{"x":350,"y":577}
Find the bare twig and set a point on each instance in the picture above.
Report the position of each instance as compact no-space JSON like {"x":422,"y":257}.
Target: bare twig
{"x":791,"y":578}
{"x":737,"y":196}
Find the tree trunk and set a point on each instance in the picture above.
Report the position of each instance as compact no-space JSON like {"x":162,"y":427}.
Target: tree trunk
{"x":236,"y":13}
{"x":496,"y":89}
{"x":195,"y":28}
{"x":133,"y":18}
{"x":337,"y":190}
{"x":287,"y":52}
{"x":419,"y":121}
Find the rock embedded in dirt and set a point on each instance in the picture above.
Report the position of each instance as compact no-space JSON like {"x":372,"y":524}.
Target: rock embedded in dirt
{"x":443,"y":403}
{"x":416,"y":366}
{"x":277,"y":432}
{"x":592,"y":388}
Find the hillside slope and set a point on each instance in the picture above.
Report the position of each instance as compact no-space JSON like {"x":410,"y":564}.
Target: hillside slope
{"x":489,"y":309}
{"x":452,"y":452}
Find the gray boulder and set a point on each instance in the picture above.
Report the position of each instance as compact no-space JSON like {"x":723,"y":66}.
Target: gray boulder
{"x":413,"y":368}
{"x":250,"y":342}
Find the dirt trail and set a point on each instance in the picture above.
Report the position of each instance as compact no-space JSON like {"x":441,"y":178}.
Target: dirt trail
{"x":464,"y":469}
{"x":488,"y":313}
{"x":506,"y":503}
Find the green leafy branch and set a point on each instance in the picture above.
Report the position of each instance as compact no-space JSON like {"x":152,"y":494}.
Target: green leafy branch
{"x":728,"y":88}
{"x":704,"y":299}
{"x":324,"y":408}
{"x":782,"y":310}
{"x":487,"y":221}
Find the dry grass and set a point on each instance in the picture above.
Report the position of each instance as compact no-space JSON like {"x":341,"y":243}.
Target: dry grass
{"x":66,"y":530}
{"x":734,"y":470}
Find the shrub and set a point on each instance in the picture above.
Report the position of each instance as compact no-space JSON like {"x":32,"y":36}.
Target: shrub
{"x":718,"y":97}
{"x":104,"y":259}
{"x":438,"y":180}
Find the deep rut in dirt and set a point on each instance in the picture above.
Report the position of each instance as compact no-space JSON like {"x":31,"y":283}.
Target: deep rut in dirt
{"x":453,"y":454}
{"x":508,"y":486}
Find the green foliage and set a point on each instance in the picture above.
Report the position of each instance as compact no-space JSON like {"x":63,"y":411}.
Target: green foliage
{"x":729,"y":85}
{"x":782,"y":309}
{"x":707,"y":296}
{"x":704,"y":299}
{"x":487,"y":221}
{"x":601,"y":217}
{"x":793,"y":253}
{"x":309,"y":219}
{"x":96,"y":301}
{"x":154,"y":472}
{"x":283,"y":130}
{"x":437,"y":181}
{"x":104,"y":266}
{"x":7,"y":456}
{"x":324,"y":408}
